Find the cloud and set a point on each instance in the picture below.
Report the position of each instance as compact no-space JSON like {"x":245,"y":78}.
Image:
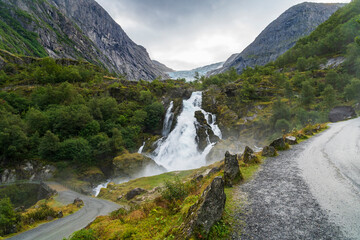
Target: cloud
{"x":187,"y":34}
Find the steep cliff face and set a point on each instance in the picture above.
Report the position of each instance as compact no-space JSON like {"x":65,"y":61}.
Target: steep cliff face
{"x":72,"y":29}
{"x":281,"y":35}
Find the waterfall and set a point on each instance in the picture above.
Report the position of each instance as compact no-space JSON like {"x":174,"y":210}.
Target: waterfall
{"x":179,"y":150}
{"x":169,"y":116}
{"x":141,"y":148}
{"x":97,"y":189}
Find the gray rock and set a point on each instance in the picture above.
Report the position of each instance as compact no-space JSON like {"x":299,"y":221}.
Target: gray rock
{"x":269,"y":151}
{"x":78,"y":202}
{"x":248,"y":156}
{"x":207,"y":211}
{"x":213,"y":171}
{"x":232,"y":172}
{"x":341,"y":113}
{"x":279,"y":144}
{"x":291,"y":140}
{"x":280,"y":35}
{"x":204,"y":133}
{"x":133,"y":193}
{"x":60,"y":214}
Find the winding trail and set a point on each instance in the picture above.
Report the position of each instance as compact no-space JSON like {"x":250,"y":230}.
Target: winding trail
{"x":64,"y":227}
{"x":309,"y":192}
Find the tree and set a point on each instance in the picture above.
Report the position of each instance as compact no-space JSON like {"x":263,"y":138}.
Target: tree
{"x":329,"y":97}
{"x":49,"y":146}
{"x":77,"y":150}
{"x":307,"y":94}
{"x":352,"y":90}
{"x":280,"y":110}
{"x":301,"y":64}
{"x":155,"y":113}
{"x":8,"y":217}
{"x":37,"y":121}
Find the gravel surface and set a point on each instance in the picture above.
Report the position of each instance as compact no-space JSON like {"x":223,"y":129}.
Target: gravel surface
{"x":278,"y":203}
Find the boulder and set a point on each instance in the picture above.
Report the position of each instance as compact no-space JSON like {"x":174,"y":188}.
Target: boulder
{"x":232,"y":172}
{"x":60,"y":214}
{"x":269,"y":151}
{"x":131,"y":165}
{"x":207,"y":211}
{"x":249,"y":156}
{"x":213,"y":171}
{"x":341,"y":113}
{"x":291,"y":140}
{"x":133,"y":193}
{"x":78,"y":202}
{"x":204,"y":133}
{"x":279,"y":144}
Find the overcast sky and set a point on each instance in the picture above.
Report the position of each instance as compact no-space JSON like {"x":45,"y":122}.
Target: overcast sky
{"x":184,"y":34}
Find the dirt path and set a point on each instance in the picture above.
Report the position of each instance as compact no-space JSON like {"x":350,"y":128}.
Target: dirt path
{"x":300,"y":194}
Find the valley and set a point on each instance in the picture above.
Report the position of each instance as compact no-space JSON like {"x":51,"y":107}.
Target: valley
{"x":240,"y":149}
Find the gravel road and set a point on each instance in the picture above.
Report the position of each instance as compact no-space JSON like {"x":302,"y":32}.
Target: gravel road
{"x":64,"y":227}
{"x":308,"y":192}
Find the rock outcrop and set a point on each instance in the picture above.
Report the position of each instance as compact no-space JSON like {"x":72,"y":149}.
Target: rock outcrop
{"x":232,"y":172}
{"x":341,"y":113}
{"x":133,"y":165}
{"x":207,"y":211}
{"x":133,"y":193}
{"x":204,"y":133}
{"x":279,"y":144}
{"x":281,"y":35}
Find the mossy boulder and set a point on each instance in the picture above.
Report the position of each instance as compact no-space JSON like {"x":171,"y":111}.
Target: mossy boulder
{"x":206,"y":212}
{"x":232,"y":172}
{"x":249,"y":156}
{"x":269,"y":151}
{"x":279,"y":144}
{"x":134,"y":165}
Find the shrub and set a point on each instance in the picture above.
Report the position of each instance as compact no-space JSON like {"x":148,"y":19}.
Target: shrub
{"x":40,"y":214}
{"x":84,"y":234}
{"x":175,"y":190}
{"x":8,"y":217}
{"x":282,"y":125}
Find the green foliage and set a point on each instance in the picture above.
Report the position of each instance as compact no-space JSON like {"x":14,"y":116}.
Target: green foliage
{"x":307,"y":94}
{"x":175,"y":190}
{"x":329,"y":97}
{"x":49,"y":146}
{"x":84,"y":234}
{"x":155,"y":113}
{"x":352,"y":91}
{"x":8,"y":217}
{"x":282,"y":125}
{"x":77,"y":150}
{"x":280,"y":110}
{"x":41,"y":213}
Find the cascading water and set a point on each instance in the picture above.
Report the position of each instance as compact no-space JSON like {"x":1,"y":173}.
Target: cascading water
{"x":141,"y":148}
{"x":179,"y":151}
{"x":169,"y":116}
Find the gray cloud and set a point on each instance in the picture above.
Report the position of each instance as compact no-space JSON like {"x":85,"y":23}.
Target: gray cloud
{"x":185,"y":34}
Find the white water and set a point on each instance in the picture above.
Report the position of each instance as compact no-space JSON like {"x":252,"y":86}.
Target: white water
{"x":179,"y":151}
{"x":169,"y":116}
{"x":141,"y":148}
{"x":99,"y":187}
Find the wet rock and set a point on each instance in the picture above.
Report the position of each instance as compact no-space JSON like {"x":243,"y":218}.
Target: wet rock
{"x":207,"y":211}
{"x":249,"y":156}
{"x":213,"y":171}
{"x":341,"y":113}
{"x":78,"y":202}
{"x":279,"y":144}
{"x":291,"y":140}
{"x":131,"y":164}
{"x":269,"y":151}
{"x":204,"y":133}
{"x":60,"y":214}
{"x":133,"y":193}
{"x":232,"y":172}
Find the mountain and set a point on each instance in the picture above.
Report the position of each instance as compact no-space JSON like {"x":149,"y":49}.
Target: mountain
{"x":162,"y":67}
{"x":281,"y":35}
{"x":72,"y":29}
{"x":189,"y":75}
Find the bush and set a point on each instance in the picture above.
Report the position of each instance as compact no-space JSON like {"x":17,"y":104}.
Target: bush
{"x":41,"y":213}
{"x":75,"y":149}
{"x":175,"y":190}
{"x":282,"y":125}
{"x":84,"y":234}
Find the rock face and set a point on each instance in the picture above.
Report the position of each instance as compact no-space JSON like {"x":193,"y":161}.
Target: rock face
{"x":269,"y":151}
{"x":204,"y":133}
{"x":281,"y":35}
{"x":73,"y":29}
{"x":134,"y":165}
{"x":341,"y":113}
{"x":207,"y":211}
{"x":232,"y":172}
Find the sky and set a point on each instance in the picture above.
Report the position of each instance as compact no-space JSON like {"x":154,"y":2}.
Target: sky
{"x":185,"y":34}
